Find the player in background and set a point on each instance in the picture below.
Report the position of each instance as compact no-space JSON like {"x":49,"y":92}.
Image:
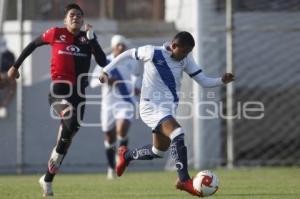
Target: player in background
{"x":119,"y":100}
{"x":7,"y":86}
{"x":71,"y":55}
{"x":163,"y":70}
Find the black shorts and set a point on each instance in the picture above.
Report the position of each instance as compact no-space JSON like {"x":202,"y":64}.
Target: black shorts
{"x":62,"y":95}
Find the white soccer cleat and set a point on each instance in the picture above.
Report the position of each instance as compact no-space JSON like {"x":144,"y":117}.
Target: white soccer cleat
{"x":46,"y":186}
{"x":110,"y":174}
{"x":55,"y":161}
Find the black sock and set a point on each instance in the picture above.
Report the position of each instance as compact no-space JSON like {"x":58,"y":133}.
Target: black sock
{"x":63,"y":145}
{"x":110,"y":155}
{"x":49,"y":176}
{"x":179,"y":154}
{"x":144,"y":153}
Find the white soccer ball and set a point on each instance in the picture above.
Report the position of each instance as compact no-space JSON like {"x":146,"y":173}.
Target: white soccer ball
{"x":206,"y":183}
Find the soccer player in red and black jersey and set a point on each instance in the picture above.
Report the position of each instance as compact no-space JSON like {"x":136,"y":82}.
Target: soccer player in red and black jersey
{"x":71,"y":56}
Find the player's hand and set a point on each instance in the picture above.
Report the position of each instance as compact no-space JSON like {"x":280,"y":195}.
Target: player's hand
{"x":103,"y":77}
{"x":13,"y":73}
{"x":89,"y":31}
{"x":227,"y":77}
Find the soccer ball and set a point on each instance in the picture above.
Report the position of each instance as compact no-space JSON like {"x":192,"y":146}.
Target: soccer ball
{"x":206,"y":183}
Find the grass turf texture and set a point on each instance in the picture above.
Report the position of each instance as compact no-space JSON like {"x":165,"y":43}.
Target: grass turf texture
{"x":256,"y":183}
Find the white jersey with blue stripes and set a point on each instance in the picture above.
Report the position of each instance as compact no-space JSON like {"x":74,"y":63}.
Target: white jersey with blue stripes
{"x":163,"y":74}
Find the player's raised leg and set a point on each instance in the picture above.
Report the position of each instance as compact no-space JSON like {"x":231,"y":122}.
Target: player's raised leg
{"x":147,"y":152}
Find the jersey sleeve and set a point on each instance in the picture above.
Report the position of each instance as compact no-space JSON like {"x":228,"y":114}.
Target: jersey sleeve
{"x":48,"y":36}
{"x":137,"y":73}
{"x":98,"y":53}
{"x":94,"y":81}
{"x":28,"y":50}
{"x":128,"y":54}
{"x":144,"y":53}
{"x":195,"y":72}
{"x":191,"y":68}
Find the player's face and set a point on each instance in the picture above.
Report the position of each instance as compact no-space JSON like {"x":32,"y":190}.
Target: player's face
{"x":118,"y":49}
{"x":180,"y":52}
{"x":74,"y":20}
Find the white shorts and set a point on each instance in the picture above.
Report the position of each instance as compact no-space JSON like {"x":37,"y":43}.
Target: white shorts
{"x":110,"y":112}
{"x":154,"y":113}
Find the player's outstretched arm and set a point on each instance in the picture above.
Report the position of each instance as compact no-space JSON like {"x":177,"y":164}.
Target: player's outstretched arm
{"x":13,"y":72}
{"x":207,"y":82}
{"x":195,"y":72}
{"x":128,"y":54}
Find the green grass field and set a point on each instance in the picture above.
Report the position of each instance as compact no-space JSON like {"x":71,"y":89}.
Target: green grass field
{"x":256,"y":183}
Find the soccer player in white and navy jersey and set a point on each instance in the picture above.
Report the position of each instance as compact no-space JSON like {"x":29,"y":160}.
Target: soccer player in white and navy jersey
{"x":119,"y":100}
{"x":163,"y":70}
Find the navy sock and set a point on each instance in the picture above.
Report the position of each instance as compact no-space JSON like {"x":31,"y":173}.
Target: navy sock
{"x":123,"y":141}
{"x":144,"y":153}
{"x":179,"y":154}
{"x":110,"y":155}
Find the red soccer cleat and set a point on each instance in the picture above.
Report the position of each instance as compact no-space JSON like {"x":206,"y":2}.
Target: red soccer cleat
{"x":122,"y":163}
{"x":188,"y":187}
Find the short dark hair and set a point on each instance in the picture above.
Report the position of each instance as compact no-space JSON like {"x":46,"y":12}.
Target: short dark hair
{"x":72,"y":6}
{"x":185,"y":39}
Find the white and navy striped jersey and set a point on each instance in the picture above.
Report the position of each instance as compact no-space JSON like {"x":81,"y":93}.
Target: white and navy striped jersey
{"x":162,"y":74}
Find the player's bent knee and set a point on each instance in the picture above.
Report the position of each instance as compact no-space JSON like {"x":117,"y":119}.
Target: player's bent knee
{"x":158,"y":153}
{"x":71,"y":124}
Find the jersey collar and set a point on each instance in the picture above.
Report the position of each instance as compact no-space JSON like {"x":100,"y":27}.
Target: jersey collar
{"x":166,"y":47}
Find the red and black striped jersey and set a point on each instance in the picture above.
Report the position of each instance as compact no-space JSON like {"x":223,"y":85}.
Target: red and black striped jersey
{"x":70,"y":54}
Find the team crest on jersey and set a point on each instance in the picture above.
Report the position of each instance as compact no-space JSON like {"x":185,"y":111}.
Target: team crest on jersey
{"x":62,"y":38}
{"x":160,"y":62}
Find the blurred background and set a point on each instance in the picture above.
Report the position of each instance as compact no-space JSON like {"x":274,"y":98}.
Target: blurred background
{"x":258,"y":40}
